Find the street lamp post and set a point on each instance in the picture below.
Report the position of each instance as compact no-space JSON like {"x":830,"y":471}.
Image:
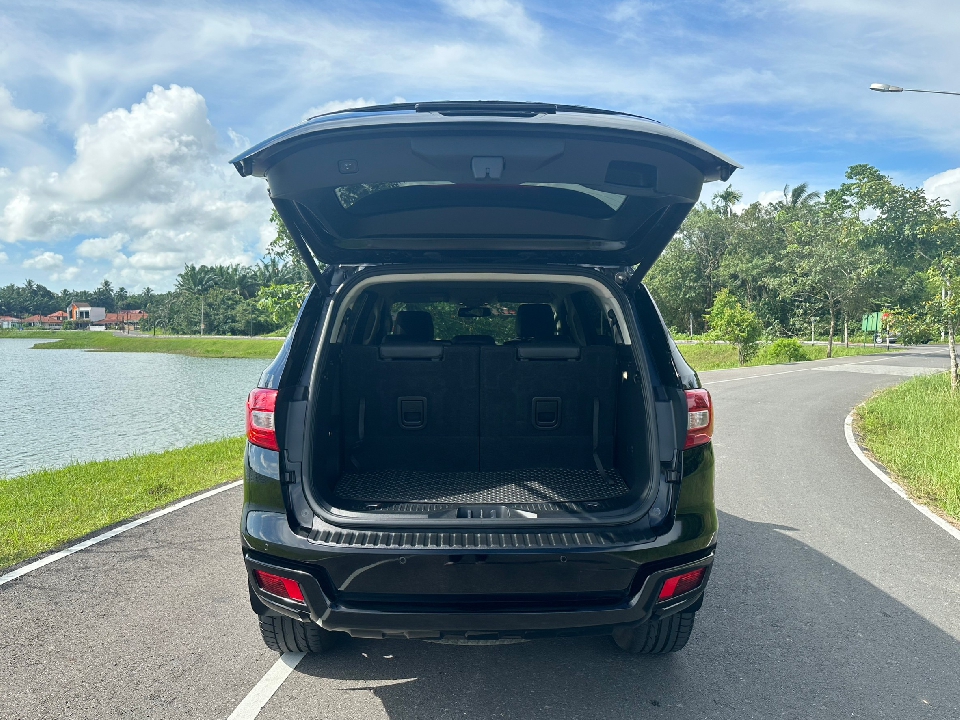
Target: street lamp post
{"x":883,"y":87}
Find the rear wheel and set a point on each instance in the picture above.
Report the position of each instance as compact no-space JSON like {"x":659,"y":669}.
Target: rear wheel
{"x":283,"y":635}
{"x":656,"y":637}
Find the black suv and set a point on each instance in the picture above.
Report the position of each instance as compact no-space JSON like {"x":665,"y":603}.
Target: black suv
{"x":479,"y":428}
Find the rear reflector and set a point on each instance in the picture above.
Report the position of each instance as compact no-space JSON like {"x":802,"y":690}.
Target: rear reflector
{"x":680,"y":584}
{"x":261,"y":424}
{"x":279,"y":586}
{"x":699,"y":418}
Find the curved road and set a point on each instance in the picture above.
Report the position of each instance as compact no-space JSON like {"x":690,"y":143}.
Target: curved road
{"x":831,"y":598}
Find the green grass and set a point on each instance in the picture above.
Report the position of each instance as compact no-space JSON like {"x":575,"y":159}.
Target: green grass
{"x":914,"y":430}
{"x":707,"y":356}
{"x":44,"y":510}
{"x":193,"y":346}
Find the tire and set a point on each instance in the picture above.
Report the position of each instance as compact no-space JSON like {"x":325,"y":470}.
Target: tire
{"x":283,"y":635}
{"x":656,"y":637}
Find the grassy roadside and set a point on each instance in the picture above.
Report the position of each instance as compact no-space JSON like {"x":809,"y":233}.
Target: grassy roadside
{"x":43,"y":510}
{"x":709,"y":356}
{"x":193,"y":346}
{"x":913,"y":429}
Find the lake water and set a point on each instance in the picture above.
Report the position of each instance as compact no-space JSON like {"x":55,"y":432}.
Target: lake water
{"x":64,"y":406}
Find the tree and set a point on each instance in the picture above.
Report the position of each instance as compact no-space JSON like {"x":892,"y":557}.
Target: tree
{"x":798,"y":196}
{"x":284,"y":249}
{"x":944,"y":309}
{"x":826,"y":260}
{"x":732,"y":322}
{"x":197,"y":281}
{"x":282,"y":302}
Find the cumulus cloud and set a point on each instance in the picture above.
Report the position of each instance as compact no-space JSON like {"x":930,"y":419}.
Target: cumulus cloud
{"x":44,"y":261}
{"x":945,"y":185}
{"x":3,"y":257}
{"x":509,"y":18}
{"x":14,"y":118}
{"x":101,"y":248}
{"x":150,"y":185}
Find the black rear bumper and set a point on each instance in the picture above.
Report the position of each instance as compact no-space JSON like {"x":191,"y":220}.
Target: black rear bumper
{"x":474,"y":615}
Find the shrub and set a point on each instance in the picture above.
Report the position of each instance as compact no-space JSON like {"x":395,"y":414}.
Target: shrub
{"x":732,"y":322}
{"x":783,"y":350}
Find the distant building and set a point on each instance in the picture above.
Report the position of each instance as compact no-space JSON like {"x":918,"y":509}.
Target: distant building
{"x":47,"y":322}
{"x":122,"y":320}
{"x":82,"y":314}
{"x":9,"y":321}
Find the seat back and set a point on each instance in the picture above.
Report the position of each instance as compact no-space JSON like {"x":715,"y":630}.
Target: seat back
{"x":539,"y":404}
{"x":410,"y":406}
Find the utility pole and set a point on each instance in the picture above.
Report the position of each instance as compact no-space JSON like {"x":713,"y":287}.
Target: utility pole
{"x":813,"y":330}
{"x":691,"y":326}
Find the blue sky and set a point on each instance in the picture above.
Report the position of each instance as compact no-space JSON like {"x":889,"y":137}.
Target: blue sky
{"x":116,"y":119}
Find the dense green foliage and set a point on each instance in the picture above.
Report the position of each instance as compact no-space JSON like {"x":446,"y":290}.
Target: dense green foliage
{"x":43,"y":510}
{"x":816,"y":261}
{"x":732,"y":322}
{"x":914,"y":430}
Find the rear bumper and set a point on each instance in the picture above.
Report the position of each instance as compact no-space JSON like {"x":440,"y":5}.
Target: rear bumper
{"x":481,"y":616}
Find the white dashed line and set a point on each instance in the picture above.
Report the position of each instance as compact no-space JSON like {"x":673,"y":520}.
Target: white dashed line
{"x":30,"y":567}
{"x":855,"y":447}
{"x":253,"y":703}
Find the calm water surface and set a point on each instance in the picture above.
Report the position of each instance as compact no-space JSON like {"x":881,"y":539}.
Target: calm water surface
{"x":63,"y":406}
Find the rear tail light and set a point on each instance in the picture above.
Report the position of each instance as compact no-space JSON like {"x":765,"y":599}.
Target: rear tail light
{"x":280,"y":586}
{"x":261,"y":424}
{"x":699,"y":418}
{"x":680,"y":584}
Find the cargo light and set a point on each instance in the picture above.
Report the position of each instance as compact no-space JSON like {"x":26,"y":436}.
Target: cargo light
{"x":680,"y":584}
{"x":261,"y":424}
{"x":280,"y":586}
{"x":699,"y":418}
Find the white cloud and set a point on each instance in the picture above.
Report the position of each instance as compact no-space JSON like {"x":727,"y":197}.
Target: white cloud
{"x":3,"y":257}
{"x":101,"y":248}
{"x":66,"y":275}
{"x":14,"y":118}
{"x":44,"y":261}
{"x":334,"y":105}
{"x":767,"y":197}
{"x":510,"y":18}
{"x":945,"y":185}
{"x":148,"y":183}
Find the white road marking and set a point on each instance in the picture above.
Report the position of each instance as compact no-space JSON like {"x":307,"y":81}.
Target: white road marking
{"x":838,"y":366}
{"x":855,"y":447}
{"x":905,"y":370}
{"x":30,"y":567}
{"x":253,"y":703}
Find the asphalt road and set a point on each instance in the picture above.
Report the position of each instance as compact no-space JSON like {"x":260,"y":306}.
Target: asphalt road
{"x":831,"y":598}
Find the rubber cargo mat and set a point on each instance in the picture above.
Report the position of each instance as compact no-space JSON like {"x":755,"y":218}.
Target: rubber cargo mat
{"x":507,"y":487}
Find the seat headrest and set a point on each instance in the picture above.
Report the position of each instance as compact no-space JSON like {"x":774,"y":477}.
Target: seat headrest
{"x":414,"y":325}
{"x":536,"y":321}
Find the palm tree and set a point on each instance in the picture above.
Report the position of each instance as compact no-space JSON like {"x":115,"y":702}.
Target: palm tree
{"x":798,"y":196}
{"x":197,"y":281}
{"x":724,"y":200}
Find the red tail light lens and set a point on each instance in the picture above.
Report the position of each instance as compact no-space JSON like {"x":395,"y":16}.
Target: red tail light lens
{"x":279,"y":586}
{"x":680,"y":584}
{"x":261,"y":424}
{"x":699,"y":418}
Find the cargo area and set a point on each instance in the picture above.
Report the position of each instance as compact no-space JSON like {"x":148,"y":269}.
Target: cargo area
{"x":479,"y":398}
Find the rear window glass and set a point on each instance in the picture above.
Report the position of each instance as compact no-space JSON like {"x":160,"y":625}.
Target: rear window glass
{"x":368,"y":199}
{"x":501,"y":325}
